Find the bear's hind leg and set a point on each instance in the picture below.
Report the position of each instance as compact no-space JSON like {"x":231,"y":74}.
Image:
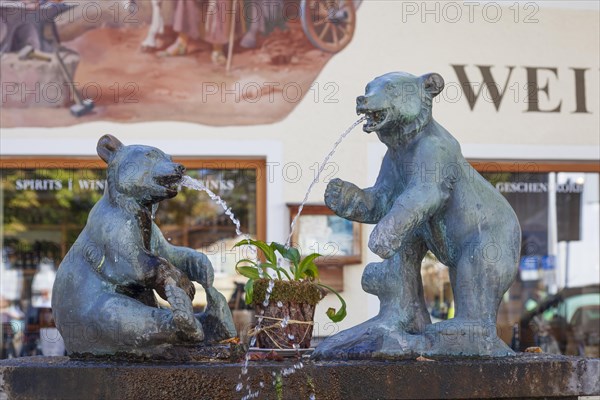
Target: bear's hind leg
{"x":480,"y":280}
{"x":397,"y":330}
{"x":118,"y":323}
{"x":482,"y":277}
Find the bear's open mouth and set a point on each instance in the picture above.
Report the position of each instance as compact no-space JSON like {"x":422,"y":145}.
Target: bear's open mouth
{"x":169,"y":182}
{"x":375,"y":119}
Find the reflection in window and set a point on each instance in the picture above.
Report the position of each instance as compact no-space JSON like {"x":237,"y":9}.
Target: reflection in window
{"x":191,"y":219}
{"x":559,"y":214}
{"x":43,"y":210}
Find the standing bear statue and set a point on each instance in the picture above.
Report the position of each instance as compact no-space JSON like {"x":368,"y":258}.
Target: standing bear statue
{"x":103,"y":297}
{"x":427,"y":198}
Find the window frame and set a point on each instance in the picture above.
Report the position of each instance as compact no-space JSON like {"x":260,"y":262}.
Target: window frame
{"x":533,"y":166}
{"x":190,"y":162}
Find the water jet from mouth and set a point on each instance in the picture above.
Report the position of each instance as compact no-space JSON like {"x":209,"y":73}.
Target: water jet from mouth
{"x":314,"y":182}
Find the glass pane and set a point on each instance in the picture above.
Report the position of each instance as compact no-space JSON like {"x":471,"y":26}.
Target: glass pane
{"x":559,"y":214}
{"x":192,"y":219}
{"x":43,"y":211}
{"x":559,"y":217}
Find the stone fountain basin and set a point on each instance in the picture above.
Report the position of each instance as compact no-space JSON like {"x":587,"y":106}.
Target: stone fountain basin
{"x":520,"y":377}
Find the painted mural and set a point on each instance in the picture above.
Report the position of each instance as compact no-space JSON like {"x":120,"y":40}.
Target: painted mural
{"x":214,"y":62}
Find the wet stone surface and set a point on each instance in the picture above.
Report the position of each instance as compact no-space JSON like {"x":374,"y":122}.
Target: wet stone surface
{"x":520,"y":377}
{"x":171,"y":354}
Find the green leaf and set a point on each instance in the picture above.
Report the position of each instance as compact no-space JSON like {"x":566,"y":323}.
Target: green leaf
{"x":277,"y":269}
{"x":293,"y":255}
{"x":289,"y":253}
{"x":262,"y":246}
{"x":244,"y":262}
{"x":277,"y":246}
{"x":264,"y":266}
{"x":312,"y":271}
{"x":308,"y":267}
{"x":249,"y":289}
{"x":341,"y":314}
{"x":248,"y":272}
{"x":244,"y":242}
{"x":336,"y":317}
{"x":248,"y":261}
{"x":280,"y":248}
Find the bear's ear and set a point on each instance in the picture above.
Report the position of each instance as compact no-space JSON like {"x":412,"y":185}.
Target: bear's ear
{"x":107,"y":147}
{"x":433,"y":83}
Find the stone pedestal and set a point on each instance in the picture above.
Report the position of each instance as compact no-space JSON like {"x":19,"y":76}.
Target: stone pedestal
{"x":522,"y":377}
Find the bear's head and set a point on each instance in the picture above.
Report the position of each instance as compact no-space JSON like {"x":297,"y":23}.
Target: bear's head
{"x":398,"y":104}
{"x":142,"y":173}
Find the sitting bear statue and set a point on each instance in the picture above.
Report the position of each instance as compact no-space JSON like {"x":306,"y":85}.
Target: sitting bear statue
{"x":103,"y":299}
{"x":427,"y":198}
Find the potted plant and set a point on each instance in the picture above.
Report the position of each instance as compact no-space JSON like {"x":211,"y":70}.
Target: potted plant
{"x":284,"y":296}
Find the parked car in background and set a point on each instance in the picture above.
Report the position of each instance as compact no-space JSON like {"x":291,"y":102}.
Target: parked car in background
{"x":566,"y":323}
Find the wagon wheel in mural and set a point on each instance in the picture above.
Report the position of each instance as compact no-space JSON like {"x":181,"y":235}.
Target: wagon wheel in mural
{"x":329,"y":24}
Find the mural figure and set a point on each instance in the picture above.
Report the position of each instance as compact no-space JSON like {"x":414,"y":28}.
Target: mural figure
{"x":118,"y":58}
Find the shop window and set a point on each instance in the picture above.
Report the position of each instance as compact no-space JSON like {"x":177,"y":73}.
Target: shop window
{"x":44,"y":206}
{"x":557,"y":205}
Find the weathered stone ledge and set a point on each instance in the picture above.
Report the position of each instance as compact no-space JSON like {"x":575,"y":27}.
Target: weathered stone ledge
{"x":522,"y":377}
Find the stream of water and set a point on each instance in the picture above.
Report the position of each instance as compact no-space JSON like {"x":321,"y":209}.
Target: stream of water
{"x":195,"y":184}
{"x":318,"y":176}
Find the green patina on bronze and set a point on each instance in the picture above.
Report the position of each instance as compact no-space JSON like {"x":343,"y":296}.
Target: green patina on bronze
{"x":427,"y":197}
{"x":288,"y":292}
{"x":106,"y":282}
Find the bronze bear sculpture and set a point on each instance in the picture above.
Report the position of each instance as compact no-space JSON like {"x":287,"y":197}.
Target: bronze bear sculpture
{"x":427,"y":197}
{"x":103,"y":300}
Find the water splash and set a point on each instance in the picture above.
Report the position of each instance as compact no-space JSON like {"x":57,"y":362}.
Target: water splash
{"x":314,"y":182}
{"x":252,"y":344}
{"x":195,"y":184}
{"x":285,"y":321}
{"x":296,"y":346}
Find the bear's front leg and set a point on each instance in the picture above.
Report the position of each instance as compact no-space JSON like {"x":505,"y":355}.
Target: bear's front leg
{"x":367,"y":206}
{"x":167,"y":274}
{"x":193,"y":263}
{"x":350,"y":202}
{"x":338,"y":195}
{"x":217,"y":320}
{"x":385,"y":238}
{"x":414,"y":207}
{"x":189,"y":328}
{"x":172,"y":285}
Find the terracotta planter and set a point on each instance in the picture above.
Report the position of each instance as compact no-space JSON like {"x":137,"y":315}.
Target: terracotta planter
{"x":291,"y":304}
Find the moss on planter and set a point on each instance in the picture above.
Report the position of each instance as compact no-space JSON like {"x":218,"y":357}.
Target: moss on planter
{"x":288,"y":291}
